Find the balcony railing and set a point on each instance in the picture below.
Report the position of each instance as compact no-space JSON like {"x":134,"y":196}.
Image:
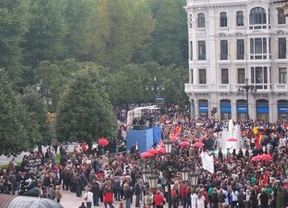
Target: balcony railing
{"x":233,"y":88}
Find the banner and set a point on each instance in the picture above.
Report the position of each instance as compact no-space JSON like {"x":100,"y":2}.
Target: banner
{"x":35,"y":162}
{"x":207,"y":162}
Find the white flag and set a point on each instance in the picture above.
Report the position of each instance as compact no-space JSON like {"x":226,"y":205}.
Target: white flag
{"x":207,"y":162}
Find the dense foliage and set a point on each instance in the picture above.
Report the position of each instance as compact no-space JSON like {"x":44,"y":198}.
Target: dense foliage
{"x":18,"y":130}
{"x":126,"y":43}
{"x":85,"y":113}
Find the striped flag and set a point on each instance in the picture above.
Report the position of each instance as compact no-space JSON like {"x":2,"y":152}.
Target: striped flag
{"x":177,"y":130}
{"x":258,"y":140}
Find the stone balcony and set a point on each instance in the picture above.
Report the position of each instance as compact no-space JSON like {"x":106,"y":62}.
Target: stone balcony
{"x":233,"y":88}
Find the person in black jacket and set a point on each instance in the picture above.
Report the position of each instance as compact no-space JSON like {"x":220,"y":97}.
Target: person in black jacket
{"x":79,"y":183}
{"x":137,"y":192}
{"x":214,"y":198}
{"x":264,"y":198}
{"x":95,"y":189}
{"x":128,"y":194}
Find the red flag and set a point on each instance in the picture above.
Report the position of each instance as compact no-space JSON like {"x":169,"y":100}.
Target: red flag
{"x":177,"y":130}
{"x":258,"y":140}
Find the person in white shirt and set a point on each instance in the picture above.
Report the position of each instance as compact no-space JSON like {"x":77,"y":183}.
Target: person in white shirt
{"x":193,"y":199}
{"x":88,"y":197}
{"x":234,"y":194}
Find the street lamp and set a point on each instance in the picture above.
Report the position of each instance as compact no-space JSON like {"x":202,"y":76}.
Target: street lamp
{"x":185,"y":174}
{"x":247,"y":88}
{"x":155,"y":87}
{"x":145,"y":175}
{"x":153,"y":180}
{"x":168,"y":145}
{"x":169,"y":164}
{"x":45,"y":96}
{"x":193,"y":179}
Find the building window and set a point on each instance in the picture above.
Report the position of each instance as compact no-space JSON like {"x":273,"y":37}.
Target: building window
{"x":240,"y":49}
{"x":282,"y":75}
{"x":191,"y":76}
{"x":190,"y":20}
{"x":201,"y":50}
{"x":258,"y":48}
{"x":191,"y":50}
{"x":223,"y":19}
{"x":281,"y":17}
{"x":224,"y":49}
{"x":224,"y":76}
{"x":202,"y":76}
{"x":241,"y":75}
{"x":257,"y":17}
{"x":201,"y":20}
{"x":282,"y":48}
{"x":259,"y":75}
{"x":239,"y":18}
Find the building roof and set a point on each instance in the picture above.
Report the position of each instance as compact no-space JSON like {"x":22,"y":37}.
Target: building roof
{"x":10,"y":201}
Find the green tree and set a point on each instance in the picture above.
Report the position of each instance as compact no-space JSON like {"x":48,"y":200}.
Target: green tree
{"x":174,"y":79}
{"x":80,"y":17}
{"x":38,"y":110}
{"x":123,"y":29}
{"x":56,"y":76}
{"x":169,"y":41}
{"x":44,"y":39}
{"x":85,"y":113}
{"x":14,"y":18}
{"x":18,"y":130}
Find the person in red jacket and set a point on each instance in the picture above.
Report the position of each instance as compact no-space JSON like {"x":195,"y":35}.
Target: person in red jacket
{"x":183,"y":195}
{"x":108,"y":197}
{"x":159,"y":200}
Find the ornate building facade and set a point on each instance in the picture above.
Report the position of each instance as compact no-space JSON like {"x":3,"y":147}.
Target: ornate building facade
{"x":236,"y":47}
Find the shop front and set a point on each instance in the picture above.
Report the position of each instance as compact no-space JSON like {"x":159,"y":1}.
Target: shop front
{"x":242,"y":110}
{"x":282,"y":108}
{"x":262,"y":109}
{"x":203,"y":109}
{"x":225,"y":109}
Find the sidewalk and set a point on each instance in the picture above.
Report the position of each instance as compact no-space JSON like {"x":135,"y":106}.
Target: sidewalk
{"x":69,"y":200}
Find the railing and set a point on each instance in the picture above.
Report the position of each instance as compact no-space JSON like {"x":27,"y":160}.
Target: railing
{"x":230,"y":88}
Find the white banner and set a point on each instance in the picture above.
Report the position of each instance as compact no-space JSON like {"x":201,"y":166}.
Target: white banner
{"x":207,"y":162}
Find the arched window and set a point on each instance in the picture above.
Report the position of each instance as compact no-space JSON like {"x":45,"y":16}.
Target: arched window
{"x":239,"y":18}
{"x":201,"y":20}
{"x":257,"y":16}
{"x":223,"y":19}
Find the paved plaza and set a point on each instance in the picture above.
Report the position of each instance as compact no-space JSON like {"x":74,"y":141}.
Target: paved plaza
{"x":69,"y":200}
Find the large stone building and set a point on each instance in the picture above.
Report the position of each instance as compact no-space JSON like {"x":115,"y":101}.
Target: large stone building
{"x":232,"y":42}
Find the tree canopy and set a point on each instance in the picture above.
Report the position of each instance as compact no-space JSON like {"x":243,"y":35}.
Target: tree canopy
{"x":18,"y":129}
{"x":85,"y":113}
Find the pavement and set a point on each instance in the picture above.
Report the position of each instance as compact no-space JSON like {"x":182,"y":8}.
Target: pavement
{"x":69,"y":200}
{"x":4,"y":160}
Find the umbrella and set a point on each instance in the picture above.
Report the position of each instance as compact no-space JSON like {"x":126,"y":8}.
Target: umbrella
{"x":198,"y":144}
{"x":174,"y":139}
{"x":161,"y":150}
{"x":232,"y":140}
{"x":184,"y":144}
{"x":266,"y":157}
{"x":153,"y":151}
{"x":146,"y":155}
{"x":256,"y":158}
{"x":103,"y":142}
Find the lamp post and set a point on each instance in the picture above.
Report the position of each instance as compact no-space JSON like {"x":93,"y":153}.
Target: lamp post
{"x":169,"y":164}
{"x":45,"y":96}
{"x":155,"y":87}
{"x":246,"y":89}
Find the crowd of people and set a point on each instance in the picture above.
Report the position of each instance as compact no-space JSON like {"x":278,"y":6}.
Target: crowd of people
{"x":101,"y":178}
